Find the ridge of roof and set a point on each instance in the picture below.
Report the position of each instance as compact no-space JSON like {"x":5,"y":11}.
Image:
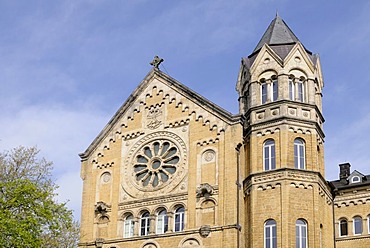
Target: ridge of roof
{"x":277,"y":33}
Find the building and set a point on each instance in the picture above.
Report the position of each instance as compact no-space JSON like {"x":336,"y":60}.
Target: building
{"x":172,"y":169}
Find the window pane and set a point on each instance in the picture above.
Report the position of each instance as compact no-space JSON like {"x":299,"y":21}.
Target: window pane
{"x":264,"y":92}
{"x":291,"y":90}
{"x":275,"y":91}
{"x":343,"y":228}
{"x":357,"y":225}
{"x":273,"y":166}
{"x":300,"y":92}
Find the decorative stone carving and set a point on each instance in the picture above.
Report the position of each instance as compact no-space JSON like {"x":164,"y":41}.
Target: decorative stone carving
{"x":102,"y":208}
{"x":152,"y":115}
{"x":156,"y":61}
{"x":204,"y":231}
{"x":204,"y":190}
{"x":99,"y":242}
{"x":105,"y":177}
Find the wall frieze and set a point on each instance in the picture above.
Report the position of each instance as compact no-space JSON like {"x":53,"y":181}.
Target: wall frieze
{"x":152,"y":201}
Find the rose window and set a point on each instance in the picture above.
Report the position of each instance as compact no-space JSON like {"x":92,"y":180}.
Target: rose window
{"x":156,"y":162}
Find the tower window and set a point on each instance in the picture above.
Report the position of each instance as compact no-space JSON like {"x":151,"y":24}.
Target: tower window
{"x":269,"y":155}
{"x":128,"y":226}
{"x":297,"y":90}
{"x":368,"y":224}
{"x":144,"y":224}
{"x":343,"y":228}
{"x":179,"y":219}
{"x":270,"y":234}
{"x":264,"y":92}
{"x":299,"y":154}
{"x":162,"y":222}
{"x":357,"y":225}
{"x":301,"y":234}
{"x":269,"y":91}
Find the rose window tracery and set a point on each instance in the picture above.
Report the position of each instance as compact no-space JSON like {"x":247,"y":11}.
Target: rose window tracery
{"x":156,"y":162}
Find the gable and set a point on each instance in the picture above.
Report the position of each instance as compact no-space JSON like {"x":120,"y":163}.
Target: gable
{"x":145,"y":109}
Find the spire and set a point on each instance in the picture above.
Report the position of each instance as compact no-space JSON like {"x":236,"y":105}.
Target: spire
{"x":278,"y":33}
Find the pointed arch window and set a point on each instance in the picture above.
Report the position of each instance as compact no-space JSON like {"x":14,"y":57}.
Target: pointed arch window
{"x":269,"y":155}
{"x":343,"y":228}
{"x":179,"y":219}
{"x":357,"y":225}
{"x":144,"y":224}
{"x":299,"y":154}
{"x":270,"y":234}
{"x":128,"y":226}
{"x":162,"y":222}
{"x":301,"y":233}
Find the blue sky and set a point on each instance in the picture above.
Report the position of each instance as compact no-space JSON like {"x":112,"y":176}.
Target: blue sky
{"x":67,"y":66}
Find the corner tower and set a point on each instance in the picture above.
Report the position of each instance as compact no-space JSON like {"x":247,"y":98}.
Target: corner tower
{"x":286,"y":195}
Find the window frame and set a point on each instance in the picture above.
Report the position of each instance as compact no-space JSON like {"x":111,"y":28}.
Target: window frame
{"x":269,"y":90}
{"x":270,"y":146}
{"x":357,"y":220}
{"x":299,"y":154}
{"x":264,"y":92}
{"x":357,"y":181}
{"x":297,"y":89}
{"x":179,"y":224}
{"x":344,"y":221}
{"x":271,"y":239}
{"x":144,"y":230}
{"x":301,"y":233}
{"x":130,"y":223}
{"x":162,"y":221}
{"x":368,"y":224}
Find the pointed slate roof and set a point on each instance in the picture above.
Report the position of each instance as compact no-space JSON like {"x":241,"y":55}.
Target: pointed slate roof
{"x":278,"y":33}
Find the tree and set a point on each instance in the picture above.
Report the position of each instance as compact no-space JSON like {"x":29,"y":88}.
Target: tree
{"x":29,"y":214}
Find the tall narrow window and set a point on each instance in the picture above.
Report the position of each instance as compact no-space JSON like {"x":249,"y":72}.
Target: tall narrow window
{"x":264,"y":92}
{"x":275,"y":90}
{"x":128,"y":226}
{"x":162,"y":222}
{"x":343,"y":227}
{"x":300,"y":89}
{"x":179,"y":219}
{"x":269,"y":155}
{"x":368,"y":224}
{"x":144,"y":224}
{"x":357,"y":225}
{"x":270,"y":234}
{"x":301,"y":234}
{"x":299,"y":154}
{"x":291,"y":90}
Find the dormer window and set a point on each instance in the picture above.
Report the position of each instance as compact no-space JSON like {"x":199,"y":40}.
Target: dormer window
{"x":356,"y":179}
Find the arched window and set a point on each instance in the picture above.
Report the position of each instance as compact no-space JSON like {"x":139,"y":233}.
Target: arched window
{"x":179,"y":219}
{"x":162,"y":222}
{"x":269,"y":90}
{"x":299,"y":154}
{"x":270,"y":234}
{"x":355,"y":179}
{"x":357,"y":225}
{"x":301,"y":233}
{"x":296,"y":90}
{"x":343,"y":227}
{"x":144,"y":224}
{"x":269,"y":155}
{"x":300,"y":90}
{"x":264,"y":87}
{"x":128,"y":226}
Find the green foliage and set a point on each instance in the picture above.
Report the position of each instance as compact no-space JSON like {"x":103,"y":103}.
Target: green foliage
{"x":29,"y":215}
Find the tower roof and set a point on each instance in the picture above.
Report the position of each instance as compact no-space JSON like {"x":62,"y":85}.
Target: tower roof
{"x":278,"y":33}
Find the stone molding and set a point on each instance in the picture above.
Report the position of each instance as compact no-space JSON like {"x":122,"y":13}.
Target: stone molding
{"x":152,"y":201}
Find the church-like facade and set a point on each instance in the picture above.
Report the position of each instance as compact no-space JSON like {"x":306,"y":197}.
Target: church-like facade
{"x":172,"y":169}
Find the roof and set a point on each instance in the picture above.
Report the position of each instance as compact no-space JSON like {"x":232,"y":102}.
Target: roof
{"x":278,"y":33}
{"x":345,"y":183}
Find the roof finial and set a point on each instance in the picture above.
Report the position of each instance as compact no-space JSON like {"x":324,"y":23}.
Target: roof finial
{"x":277,"y":14}
{"x":156,"y":61}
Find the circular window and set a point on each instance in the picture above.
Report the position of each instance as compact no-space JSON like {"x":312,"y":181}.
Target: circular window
{"x":156,"y":162}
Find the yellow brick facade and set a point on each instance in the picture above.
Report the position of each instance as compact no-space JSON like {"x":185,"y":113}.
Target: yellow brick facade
{"x":172,"y":169}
